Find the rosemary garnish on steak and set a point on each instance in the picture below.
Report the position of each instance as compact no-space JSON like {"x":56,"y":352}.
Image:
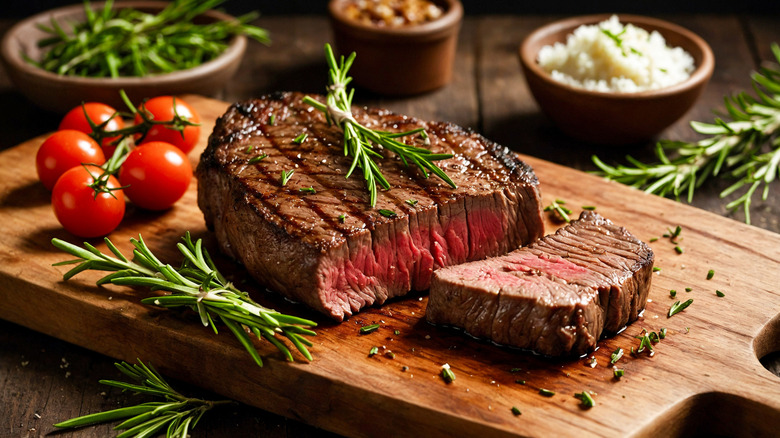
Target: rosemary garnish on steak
{"x":197,"y":284}
{"x":360,"y":142}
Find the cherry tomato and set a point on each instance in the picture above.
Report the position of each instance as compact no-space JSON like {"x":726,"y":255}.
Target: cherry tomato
{"x":64,"y":150}
{"x":79,"y":210}
{"x":98,"y":113}
{"x":161,"y":108}
{"x":156,"y":174}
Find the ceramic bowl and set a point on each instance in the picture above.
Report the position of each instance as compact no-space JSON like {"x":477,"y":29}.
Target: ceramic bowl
{"x":61,"y":93}
{"x":615,"y":118}
{"x":403,"y":60}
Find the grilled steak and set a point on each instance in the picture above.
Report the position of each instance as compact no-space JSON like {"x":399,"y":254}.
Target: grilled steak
{"x":326,"y":247}
{"x":554,"y":297}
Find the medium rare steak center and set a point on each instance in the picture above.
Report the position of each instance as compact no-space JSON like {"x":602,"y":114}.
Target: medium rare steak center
{"x":283,"y":207}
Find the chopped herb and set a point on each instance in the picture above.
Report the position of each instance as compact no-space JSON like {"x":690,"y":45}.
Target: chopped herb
{"x":515,"y":370}
{"x":616,"y":355}
{"x":662,"y":333}
{"x":687,"y":329}
{"x":387,"y":213}
{"x":618,"y":373}
{"x":656,"y":269}
{"x":654,"y":338}
{"x":373,"y":351}
{"x":644,"y":343}
{"x":677,"y":307}
{"x":249,"y":149}
{"x":635,"y":51}
{"x":710,"y":274}
{"x":559,"y":211}
{"x":688,"y":289}
{"x":546,"y":392}
{"x":672,"y":293}
{"x":396,"y":332}
{"x":521,"y":382}
{"x":589,"y":207}
{"x":307,"y":190}
{"x":662,"y":70}
{"x":585,"y":399}
{"x":447,"y":374}
{"x":272,"y":119}
{"x":411,"y":202}
{"x":719,"y":293}
{"x":675,"y":233}
{"x":286,"y":175}
{"x":654,"y":239}
{"x":678,"y":249}
{"x":342,"y":218}
{"x":366,"y":329}
{"x":300,"y":138}
{"x":516,"y":411}
{"x":256,"y":159}
{"x":390,"y":355}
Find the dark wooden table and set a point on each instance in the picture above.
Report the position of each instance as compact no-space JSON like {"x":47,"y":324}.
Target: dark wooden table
{"x":44,"y":380}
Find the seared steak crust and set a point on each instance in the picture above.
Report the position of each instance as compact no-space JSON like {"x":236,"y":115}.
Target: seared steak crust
{"x":327,"y":247}
{"x":555,"y":296}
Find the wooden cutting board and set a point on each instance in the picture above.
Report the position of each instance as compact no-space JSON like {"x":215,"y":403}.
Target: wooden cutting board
{"x":705,"y":376}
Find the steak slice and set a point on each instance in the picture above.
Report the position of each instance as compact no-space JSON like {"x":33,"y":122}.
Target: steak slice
{"x":327,"y":247}
{"x":554,"y":297}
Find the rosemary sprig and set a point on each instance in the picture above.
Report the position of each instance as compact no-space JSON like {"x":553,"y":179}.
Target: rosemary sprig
{"x":129,"y":42}
{"x":197,"y":284}
{"x":746,"y":148}
{"x":360,"y":142}
{"x":558,"y":211}
{"x":177,"y":414}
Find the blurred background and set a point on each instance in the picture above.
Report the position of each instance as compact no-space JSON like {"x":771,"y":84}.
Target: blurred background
{"x":473,"y":7}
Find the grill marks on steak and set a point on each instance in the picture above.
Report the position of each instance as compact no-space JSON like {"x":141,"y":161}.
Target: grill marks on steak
{"x":555,"y":296}
{"x":295,"y":243}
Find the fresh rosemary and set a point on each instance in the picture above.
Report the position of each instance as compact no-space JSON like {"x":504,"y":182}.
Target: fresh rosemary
{"x":360,"y":142}
{"x":371,"y":328}
{"x":129,"y":42}
{"x":677,"y":307}
{"x":177,"y":414}
{"x":197,"y":284}
{"x":746,"y":148}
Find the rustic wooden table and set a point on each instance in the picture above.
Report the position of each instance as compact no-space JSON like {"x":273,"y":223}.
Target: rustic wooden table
{"x":44,"y":380}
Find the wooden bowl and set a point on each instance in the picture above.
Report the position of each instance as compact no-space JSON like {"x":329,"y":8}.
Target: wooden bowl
{"x":399,"y":60}
{"x":614,"y":118}
{"x":60,"y":93}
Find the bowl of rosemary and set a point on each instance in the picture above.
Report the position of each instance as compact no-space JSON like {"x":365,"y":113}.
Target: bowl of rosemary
{"x":598,"y":107}
{"x":63,"y":57}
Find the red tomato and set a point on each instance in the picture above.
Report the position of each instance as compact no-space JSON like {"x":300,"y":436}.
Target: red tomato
{"x":98,"y":113}
{"x":156,"y":174}
{"x":64,"y":150}
{"x":161,"y":108}
{"x":79,"y":210}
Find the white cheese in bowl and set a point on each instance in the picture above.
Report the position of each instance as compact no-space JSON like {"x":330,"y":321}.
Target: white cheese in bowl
{"x":617,"y":58}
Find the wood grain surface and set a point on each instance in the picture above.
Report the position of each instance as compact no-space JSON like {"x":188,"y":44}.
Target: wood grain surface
{"x":44,"y":380}
{"x":709,"y":357}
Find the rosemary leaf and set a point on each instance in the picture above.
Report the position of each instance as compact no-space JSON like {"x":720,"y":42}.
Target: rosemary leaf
{"x":197,"y":285}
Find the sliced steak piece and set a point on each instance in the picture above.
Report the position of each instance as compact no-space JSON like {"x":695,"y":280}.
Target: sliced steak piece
{"x":554,"y":297}
{"x":327,"y":247}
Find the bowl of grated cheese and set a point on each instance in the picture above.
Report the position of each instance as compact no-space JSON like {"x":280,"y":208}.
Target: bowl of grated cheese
{"x":609,"y":79}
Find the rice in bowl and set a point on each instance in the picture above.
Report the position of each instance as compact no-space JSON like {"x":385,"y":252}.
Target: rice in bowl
{"x":616,"y":58}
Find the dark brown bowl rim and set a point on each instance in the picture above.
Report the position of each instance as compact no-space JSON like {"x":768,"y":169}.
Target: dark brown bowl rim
{"x":701,"y":74}
{"x":12,"y":57}
{"x":452,"y":16}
